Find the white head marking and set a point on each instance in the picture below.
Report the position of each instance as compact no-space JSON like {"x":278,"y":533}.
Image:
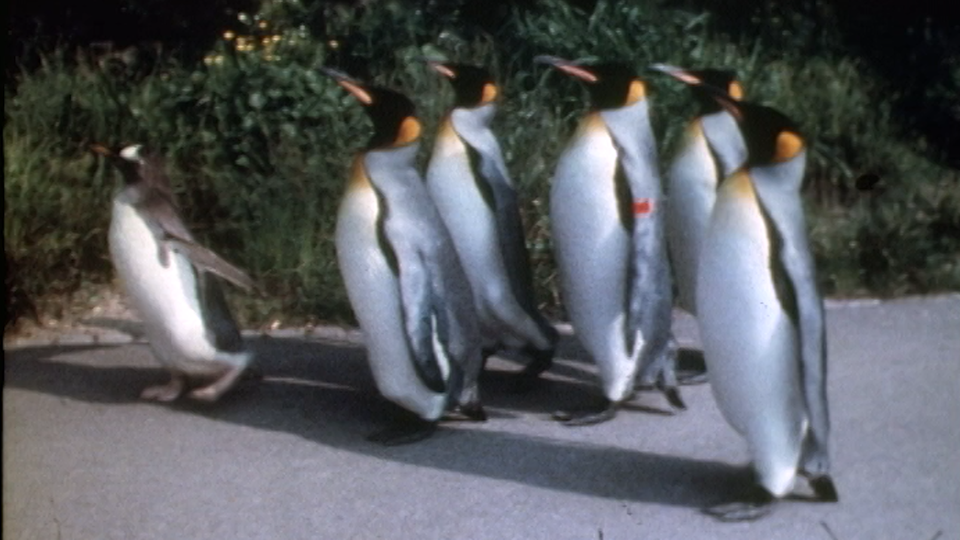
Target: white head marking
{"x":132,"y":153}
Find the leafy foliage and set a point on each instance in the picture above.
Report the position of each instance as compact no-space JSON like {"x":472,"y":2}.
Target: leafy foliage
{"x":258,"y":142}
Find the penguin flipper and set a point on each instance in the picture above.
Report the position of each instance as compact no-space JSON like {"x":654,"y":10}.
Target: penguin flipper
{"x":221,"y":327}
{"x":649,"y":309}
{"x":160,"y":211}
{"x":786,"y":213}
{"x":208,"y":261}
{"x":510,"y":231}
{"x":423,"y":327}
{"x":488,"y":164}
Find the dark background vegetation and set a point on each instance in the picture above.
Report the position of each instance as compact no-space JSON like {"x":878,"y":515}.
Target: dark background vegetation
{"x":877,"y":83}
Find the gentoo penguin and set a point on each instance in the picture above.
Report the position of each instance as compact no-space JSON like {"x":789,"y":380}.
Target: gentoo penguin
{"x":761,"y":315}
{"x":404,"y":281}
{"x":468,"y":180}
{"x":711,"y":150}
{"x":173,"y":282}
{"x":607,"y":228}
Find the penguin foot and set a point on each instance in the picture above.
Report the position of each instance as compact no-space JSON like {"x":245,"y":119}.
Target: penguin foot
{"x":473,"y":411}
{"x":691,"y":378}
{"x":756,"y":503}
{"x":586,"y":418}
{"x":824,"y":488}
{"x":527,"y":379}
{"x":164,"y":392}
{"x":215,"y":390}
{"x":672,"y":393}
{"x":253,"y":373}
{"x":540,"y":361}
{"x":406,"y":431}
{"x":691,"y":368}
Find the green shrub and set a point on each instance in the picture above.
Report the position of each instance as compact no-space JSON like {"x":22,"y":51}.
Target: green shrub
{"x":258,"y":142}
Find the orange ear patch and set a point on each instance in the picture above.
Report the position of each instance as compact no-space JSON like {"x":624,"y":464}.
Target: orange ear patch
{"x":489,"y":94}
{"x":409,"y":131}
{"x":789,"y":144}
{"x":637,"y":91}
{"x":735,"y":90}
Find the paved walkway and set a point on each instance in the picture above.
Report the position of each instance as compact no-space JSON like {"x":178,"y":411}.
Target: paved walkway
{"x":84,"y":459}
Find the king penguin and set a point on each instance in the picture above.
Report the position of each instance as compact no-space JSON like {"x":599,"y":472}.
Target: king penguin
{"x":607,"y":228}
{"x":468,"y":180}
{"x":402,"y":275}
{"x":711,"y":150}
{"x":761,"y":316}
{"x":173,"y":282}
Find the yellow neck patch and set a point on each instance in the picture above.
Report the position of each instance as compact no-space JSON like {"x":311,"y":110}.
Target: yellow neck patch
{"x":789,"y":144}
{"x":735,"y":90}
{"x":739,"y":184}
{"x":409,"y":131}
{"x":358,"y":176}
{"x":637,"y":92}
{"x":489,"y":94}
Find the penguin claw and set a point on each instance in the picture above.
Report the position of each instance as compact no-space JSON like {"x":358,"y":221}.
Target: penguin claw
{"x":214,"y":391}
{"x":739,"y":511}
{"x":692,"y":378}
{"x":570,"y":419}
{"x":541,"y":360}
{"x":824,"y":488}
{"x":672,"y":394}
{"x":164,"y":393}
{"x":755,"y":504}
{"x":473,"y":412}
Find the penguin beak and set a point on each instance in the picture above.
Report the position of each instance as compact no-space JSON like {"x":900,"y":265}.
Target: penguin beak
{"x":681,"y":74}
{"x":567,"y":66}
{"x":102,"y":150}
{"x":439,"y":66}
{"x":728,"y":102}
{"x":442,"y":69}
{"x":349,"y":84}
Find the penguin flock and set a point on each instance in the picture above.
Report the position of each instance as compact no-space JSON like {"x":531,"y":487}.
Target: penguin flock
{"x":437,"y":271}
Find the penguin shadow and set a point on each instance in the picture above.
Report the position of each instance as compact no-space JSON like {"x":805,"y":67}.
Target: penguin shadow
{"x":132,"y":328}
{"x":325,"y":394}
{"x":52,"y":369}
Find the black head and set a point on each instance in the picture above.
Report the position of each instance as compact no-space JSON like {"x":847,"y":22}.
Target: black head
{"x":393,"y":114}
{"x":612,"y":85}
{"x":473,"y":85}
{"x":771,"y":136}
{"x":699,"y":80}
{"x":137,"y":163}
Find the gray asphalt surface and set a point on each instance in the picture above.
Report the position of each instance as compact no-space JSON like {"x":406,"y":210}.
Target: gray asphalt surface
{"x":286,"y":458}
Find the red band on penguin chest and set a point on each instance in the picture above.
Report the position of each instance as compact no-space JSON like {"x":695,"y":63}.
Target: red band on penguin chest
{"x":642,"y":206}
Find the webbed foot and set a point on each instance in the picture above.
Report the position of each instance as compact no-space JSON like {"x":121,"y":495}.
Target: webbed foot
{"x":215,"y":390}
{"x":662,"y":375}
{"x":691,"y":378}
{"x":691,"y":368}
{"x":588,"y":417}
{"x":824,"y":488}
{"x":755,"y":504}
{"x":473,"y":411}
{"x":165,"y":392}
{"x":525,"y":380}
{"x":672,"y":393}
